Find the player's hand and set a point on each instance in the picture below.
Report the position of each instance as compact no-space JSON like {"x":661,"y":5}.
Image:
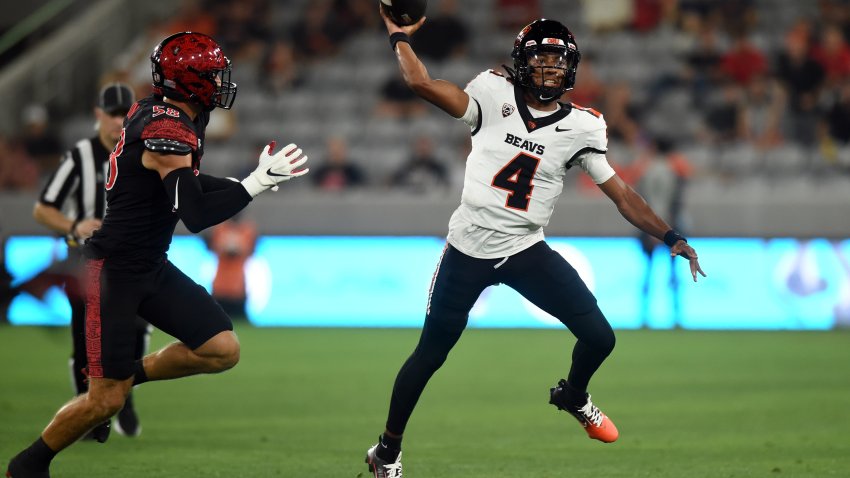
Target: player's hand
{"x":275,"y":168}
{"x":683,"y":249}
{"x":393,"y":28}
{"x":84,"y":229}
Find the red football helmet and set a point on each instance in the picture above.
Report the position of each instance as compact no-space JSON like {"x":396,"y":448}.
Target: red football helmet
{"x":185,"y":67}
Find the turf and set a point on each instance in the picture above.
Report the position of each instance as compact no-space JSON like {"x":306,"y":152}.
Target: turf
{"x":308,"y":402}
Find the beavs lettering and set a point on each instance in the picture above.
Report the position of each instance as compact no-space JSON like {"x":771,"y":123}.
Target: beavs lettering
{"x":525,"y":144}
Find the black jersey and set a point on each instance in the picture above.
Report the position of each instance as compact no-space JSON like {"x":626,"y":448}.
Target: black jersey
{"x":139,"y":220}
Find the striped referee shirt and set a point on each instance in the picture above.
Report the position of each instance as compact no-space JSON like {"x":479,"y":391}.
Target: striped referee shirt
{"x":77,"y":186}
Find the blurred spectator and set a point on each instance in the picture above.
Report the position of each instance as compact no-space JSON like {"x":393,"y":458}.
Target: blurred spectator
{"x":338,"y":172}
{"x":242,"y":28}
{"x":724,"y":117}
{"x":515,"y":14}
{"x":743,"y":61}
{"x":802,"y":77}
{"x":423,"y":172}
{"x":647,"y":14}
{"x":833,"y":54}
{"x":838,"y":116}
{"x":355,"y":15}
{"x":621,"y":114}
{"x":233,"y":243}
{"x":40,"y":142}
{"x":398,"y":101}
{"x":444,"y":35}
{"x":662,"y":174}
{"x":764,"y":105}
{"x":318,"y":33}
{"x":589,"y":88}
{"x":279,"y":68}
{"x":18,"y":171}
{"x":192,"y":17}
{"x":703,"y":63}
{"x":606,"y":15}
{"x":736,"y":15}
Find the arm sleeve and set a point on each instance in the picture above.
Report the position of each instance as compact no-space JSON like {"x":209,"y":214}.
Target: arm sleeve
{"x":212,"y":184}
{"x":199,"y":209}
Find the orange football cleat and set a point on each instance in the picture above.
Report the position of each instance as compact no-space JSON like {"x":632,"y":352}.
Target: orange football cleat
{"x":597,"y":425}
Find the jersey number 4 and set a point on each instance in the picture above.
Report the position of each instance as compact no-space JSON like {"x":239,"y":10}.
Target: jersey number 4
{"x":516,"y":178}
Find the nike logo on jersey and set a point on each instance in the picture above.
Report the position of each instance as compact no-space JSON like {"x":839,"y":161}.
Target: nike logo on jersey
{"x":176,"y":195}
{"x":529,"y":146}
{"x":562,"y":130}
{"x":270,"y":173}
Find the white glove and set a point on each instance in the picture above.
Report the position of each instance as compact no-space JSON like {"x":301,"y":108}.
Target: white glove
{"x":275,"y":168}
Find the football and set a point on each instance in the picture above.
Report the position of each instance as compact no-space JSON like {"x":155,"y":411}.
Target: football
{"x":404,"y":12}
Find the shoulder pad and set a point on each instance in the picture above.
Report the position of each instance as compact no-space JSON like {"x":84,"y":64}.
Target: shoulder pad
{"x":167,"y":146}
{"x":487,"y":81}
{"x":171,"y":129}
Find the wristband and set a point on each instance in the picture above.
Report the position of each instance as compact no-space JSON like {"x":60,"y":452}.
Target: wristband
{"x":397,"y":37}
{"x":73,"y":231}
{"x":671,"y":237}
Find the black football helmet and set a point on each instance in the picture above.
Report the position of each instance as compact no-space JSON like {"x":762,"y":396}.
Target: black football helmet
{"x":185,"y":66}
{"x":539,"y":37}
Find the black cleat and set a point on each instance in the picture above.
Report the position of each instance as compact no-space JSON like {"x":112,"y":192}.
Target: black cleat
{"x":99,"y":433}
{"x":17,"y":470}
{"x":127,"y":422}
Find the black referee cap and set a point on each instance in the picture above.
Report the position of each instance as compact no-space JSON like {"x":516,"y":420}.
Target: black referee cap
{"x":115,"y":97}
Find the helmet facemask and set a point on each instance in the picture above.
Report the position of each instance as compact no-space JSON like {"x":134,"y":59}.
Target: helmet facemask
{"x":225,"y":90}
{"x":547,"y":71}
{"x":542,"y":49}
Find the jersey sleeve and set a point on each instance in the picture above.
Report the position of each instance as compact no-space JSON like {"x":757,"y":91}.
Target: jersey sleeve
{"x":169,"y":135}
{"x":593,"y":138}
{"x":61,"y":184}
{"x":481,"y":91}
{"x":596,"y":166}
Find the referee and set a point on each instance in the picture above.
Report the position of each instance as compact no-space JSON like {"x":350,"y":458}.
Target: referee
{"x":73,"y":204}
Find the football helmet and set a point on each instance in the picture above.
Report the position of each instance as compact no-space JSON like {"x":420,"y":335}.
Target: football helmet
{"x":191,"y":67}
{"x":537,"y":39}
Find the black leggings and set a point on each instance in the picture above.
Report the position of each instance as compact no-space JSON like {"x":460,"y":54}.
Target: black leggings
{"x":541,"y":275}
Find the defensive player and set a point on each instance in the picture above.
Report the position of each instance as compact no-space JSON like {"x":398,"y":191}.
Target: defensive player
{"x":153,"y":182}
{"x":523,"y":143}
{"x":73,"y":203}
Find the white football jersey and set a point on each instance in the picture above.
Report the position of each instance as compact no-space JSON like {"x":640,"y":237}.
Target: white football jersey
{"x":515,"y":171}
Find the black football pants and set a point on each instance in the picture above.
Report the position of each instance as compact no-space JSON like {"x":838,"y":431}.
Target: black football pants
{"x":541,"y":275}
{"x":79,"y":360}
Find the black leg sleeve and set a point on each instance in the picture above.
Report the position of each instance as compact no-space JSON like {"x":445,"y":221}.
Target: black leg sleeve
{"x":142,"y":338}
{"x":595,"y":343}
{"x":545,"y":278}
{"x":458,"y":282}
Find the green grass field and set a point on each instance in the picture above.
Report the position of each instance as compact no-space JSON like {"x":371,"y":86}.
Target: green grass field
{"x":308,"y":402}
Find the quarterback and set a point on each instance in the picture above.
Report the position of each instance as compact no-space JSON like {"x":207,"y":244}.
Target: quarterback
{"x":524,"y":141}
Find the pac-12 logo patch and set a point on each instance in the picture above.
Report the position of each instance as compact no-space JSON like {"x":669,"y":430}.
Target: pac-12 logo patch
{"x":507,"y":109}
